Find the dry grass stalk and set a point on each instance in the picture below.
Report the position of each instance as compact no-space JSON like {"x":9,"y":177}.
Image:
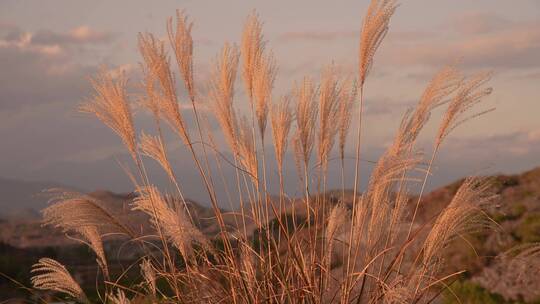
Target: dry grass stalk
{"x":263,"y":83}
{"x":152,"y":97}
{"x":374,"y":28}
{"x":378,"y":198}
{"x":222,"y":93}
{"x":173,"y":223}
{"x":337,"y":217}
{"x":88,"y":217}
{"x":281,"y":119}
{"x":463,"y":214}
{"x":397,"y":294}
{"x":346,"y":105}
{"x":246,"y":150}
{"x":110,"y":105}
{"x":329,"y":104}
{"x":468,"y":95}
{"x":119,"y":298}
{"x":154,"y":148}
{"x":306,"y":119}
{"x":92,"y":235}
{"x":149,"y":275}
{"x":48,"y":274}
{"x":157,"y":63}
{"x":252,"y":47}
{"x":441,"y":86}
{"x":72,"y":210}
{"x":248,"y":264}
{"x":182,"y":44}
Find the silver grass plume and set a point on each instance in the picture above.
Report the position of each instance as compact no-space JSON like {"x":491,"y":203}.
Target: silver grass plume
{"x":154,"y":148}
{"x":463,"y":215}
{"x":252,"y":47}
{"x":470,"y":93}
{"x":441,"y":86}
{"x":182,"y":44}
{"x":49,"y":274}
{"x":149,"y":275}
{"x":173,"y":223}
{"x":222,"y":94}
{"x":157,"y":63}
{"x":346,"y":103}
{"x":263,"y":83}
{"x":374,"y":29}
{"x":110,"y":104}
{"x":281,"y":119}
{"x":329,"y":98}
{"x":306,"y":118}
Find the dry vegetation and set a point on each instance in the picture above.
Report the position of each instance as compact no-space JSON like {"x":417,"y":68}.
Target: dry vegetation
{"x":312,"y":249}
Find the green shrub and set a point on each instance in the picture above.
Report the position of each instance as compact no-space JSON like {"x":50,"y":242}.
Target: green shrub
{"x":471,"y":293}
{"x":529,"y":229}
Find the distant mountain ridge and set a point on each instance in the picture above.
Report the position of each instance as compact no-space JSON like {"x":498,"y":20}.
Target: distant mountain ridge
{"x":517,"y":215}
{"x":23,"y":199}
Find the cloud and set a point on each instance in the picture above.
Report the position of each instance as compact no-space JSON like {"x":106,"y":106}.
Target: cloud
{"x":39,"y":76}
{"x":44,"y":67}
{"x":471,"y":23}
{"x":13,"y":36}
{"x":410,"y":35}
{"x":78,"y":35}
{"x":475,"y":39}
{"x":383,"y":106}
{"x":516,"y":46}
{"x":521,"y":143}
{"x":317,"y":35}
{"x":324,"y":36}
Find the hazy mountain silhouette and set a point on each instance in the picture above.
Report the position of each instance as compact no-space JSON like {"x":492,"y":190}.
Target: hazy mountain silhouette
{"x":23,"y":199}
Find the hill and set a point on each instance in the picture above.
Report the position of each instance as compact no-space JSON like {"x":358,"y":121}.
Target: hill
{"x":23,"y":199}
{"x":517,"y":214}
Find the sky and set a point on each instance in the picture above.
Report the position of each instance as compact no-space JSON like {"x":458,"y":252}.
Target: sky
{"x":50,"y":49}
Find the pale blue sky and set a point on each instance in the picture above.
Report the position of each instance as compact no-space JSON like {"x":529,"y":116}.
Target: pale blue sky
{"x":48,"y":49}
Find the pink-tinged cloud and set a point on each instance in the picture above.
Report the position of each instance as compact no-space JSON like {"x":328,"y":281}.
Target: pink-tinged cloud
{"x":471,"y":23}
{"x":322,"y":36}
{"x":11,"y":35}
{"x":515,"y":144}
{"x":317,"y":36}
{"x":515,"y":47}
{"x":86,"y":33}
{"x":78,"y":35}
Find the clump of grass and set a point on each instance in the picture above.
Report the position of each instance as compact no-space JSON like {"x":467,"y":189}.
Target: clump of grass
{"x":310,"y":249}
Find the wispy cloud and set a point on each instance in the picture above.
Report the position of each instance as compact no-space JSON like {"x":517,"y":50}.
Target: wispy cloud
{"x":477,"y":42}
{"x":515,"y":144}
{"x":79,"y":35}
{"x":470,"y":23}
{"x":51,"y":42}
{"x":317,"y":35}
{"x":45,"y":67}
